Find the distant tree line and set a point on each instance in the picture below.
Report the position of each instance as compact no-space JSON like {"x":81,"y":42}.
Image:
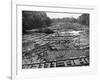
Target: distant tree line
{"x":64,"y":20}
{"x":34,"y":19}
{"x":83,"y":19}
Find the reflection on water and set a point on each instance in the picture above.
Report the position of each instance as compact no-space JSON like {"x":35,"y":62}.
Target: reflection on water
{"x":71,"y":32}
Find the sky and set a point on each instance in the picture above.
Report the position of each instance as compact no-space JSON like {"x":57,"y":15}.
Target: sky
{"x":62,"y":15}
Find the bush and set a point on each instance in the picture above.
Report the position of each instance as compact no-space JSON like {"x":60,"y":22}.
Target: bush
{"x":46,"y":30}
{"x":49,"y":31}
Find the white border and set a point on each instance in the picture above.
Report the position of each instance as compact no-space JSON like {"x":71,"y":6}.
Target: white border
{"x":18,"y":73}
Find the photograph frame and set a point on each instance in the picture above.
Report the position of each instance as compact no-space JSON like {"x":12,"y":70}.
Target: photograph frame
{"x":18,"y":73}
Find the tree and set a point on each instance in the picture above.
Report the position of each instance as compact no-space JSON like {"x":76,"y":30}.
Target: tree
{"x":34,"y":19}
{"x":84,"y":19}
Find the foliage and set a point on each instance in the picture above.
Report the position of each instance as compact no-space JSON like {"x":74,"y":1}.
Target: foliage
{"x":64,"y":20}
{"x":34,"y":19}
{"x":84,"y":19}
{"x":46,"y":30}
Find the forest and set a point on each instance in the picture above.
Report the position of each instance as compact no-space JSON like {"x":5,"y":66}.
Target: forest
{"x":39,"y":20}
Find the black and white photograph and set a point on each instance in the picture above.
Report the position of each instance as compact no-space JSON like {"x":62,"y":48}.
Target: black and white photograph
{"x":52,"y":39}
